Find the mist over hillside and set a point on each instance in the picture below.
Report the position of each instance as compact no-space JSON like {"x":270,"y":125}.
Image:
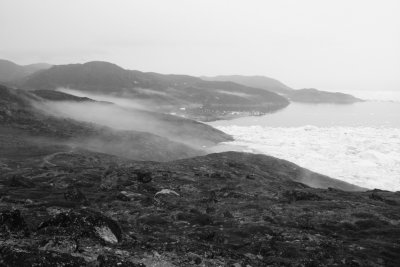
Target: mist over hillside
{"x":125,"y":141}
{"x":204,"y":98}
{"x":178,"y":94}
{"x":130,"y":116}
{"x":111,"y":183}
{"x":28,"y":117}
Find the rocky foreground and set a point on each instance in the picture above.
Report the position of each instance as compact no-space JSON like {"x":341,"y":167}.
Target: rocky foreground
{"x":80,"y":208}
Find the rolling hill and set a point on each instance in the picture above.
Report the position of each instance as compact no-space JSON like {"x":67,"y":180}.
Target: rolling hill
{"x":262,"y":82}
{"x":9,"y":71}
{"x":22,"y":124}
{"x":311,"y":95}
{"x":294,"y":95}
{"x":180,"y":94}
{"x":182,"y":130}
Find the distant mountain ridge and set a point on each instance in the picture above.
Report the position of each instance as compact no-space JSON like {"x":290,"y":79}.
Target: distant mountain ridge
{"x":306,"y":95}
{"x":180,"y":94}
{"x":311,"y":95}
{"x":257,"y":81}
{"x":9,"y":71}
{"x":204,"y":98}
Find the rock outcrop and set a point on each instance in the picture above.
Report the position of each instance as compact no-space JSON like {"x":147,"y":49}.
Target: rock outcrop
{"x":228,"y":209}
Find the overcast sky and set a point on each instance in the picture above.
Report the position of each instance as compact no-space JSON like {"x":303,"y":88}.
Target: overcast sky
{"x":326,"y":44}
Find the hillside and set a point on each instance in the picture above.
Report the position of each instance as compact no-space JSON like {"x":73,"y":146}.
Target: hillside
{"x":316,"y":96}
{"x":81,"y":194}
{"x":179,"y":94}
{"x":294,"y":95}
{"x":60,"y":96}
{"x":22,"y":123}
{"x":208,"y":98}
{"x":9,"y":71}
{"x":262,"y":82}
{"x":182,"y":130}
{"x":80,"y":208}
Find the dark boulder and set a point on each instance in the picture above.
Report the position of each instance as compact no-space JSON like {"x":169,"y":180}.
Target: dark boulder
{"x":152,"y":220}
{"x":376,"y":196}
{"x":20,"y":181}
{"x":298,"y":195}
{"x":228,"y":214}
{"x":201,"y":219}
{"x":194,"y":258}
{"x":370,"y":223}
{"x":250,"y":176}
{"x":75,"y":195}
{"x":111,"y":261}
{"x":121,"y":197}
{"x":11,"y":221}
{"x":83,"y":224}
{"x":144,"y":176}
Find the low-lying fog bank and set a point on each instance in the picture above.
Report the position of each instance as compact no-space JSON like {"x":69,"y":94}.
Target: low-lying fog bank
{"x":126,"y":114}
{"x":119,"y":101}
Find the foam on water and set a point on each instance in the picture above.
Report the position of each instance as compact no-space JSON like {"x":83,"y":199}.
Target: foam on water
{"x":365,"y":156}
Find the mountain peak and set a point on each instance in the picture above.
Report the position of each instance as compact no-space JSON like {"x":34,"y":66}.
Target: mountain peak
{"x":102,"y":65}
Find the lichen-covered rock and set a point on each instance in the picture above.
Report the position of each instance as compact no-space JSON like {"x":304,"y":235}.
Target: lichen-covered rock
{"x":84,"y":223}
{"x":75,"y":195}
{"x":144,"y":176}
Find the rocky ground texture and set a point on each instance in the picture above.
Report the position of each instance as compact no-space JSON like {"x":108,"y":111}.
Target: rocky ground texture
{"x":79,"y":208}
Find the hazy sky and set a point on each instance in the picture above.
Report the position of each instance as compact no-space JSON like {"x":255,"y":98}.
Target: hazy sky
{"x":326,"y":44}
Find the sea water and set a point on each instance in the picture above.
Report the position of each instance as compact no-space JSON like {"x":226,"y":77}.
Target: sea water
{"x":357,"y":143}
